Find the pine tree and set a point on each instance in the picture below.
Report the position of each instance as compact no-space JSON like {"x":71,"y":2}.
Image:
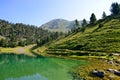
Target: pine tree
{"x":75,"y":26}
{"x":84,"y":23}
{"x":104,"y":15}
{"x":115,"y":8}
{"x":76,"y":23}
{"x":93,"y":19}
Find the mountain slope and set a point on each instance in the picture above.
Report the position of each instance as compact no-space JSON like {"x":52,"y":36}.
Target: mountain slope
{"x":19,"y":34}
{"x":59,"y":25}
{"x":95,"y":38}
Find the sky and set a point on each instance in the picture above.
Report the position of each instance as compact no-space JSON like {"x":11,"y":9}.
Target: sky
{"x":38,"y":12}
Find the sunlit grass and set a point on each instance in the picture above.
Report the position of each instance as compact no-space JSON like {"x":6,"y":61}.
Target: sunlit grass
{"x":18,"y":50}
{"x":104,"y":39}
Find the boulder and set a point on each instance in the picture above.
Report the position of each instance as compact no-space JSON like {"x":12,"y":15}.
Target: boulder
{"x":98,"y":73}
{"x":117,"y":73}
{"x":110,"y":62}
{"x":114,"y":71}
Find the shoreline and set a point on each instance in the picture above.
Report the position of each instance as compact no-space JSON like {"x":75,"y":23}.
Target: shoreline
{"x":84,"y":72}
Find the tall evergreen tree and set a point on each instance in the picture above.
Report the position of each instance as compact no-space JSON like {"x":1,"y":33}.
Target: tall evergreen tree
{"x":84,"y":23}
{"x":93,"y":19}
{"x":104,"y":15}
{"x":115,"y":8}
{"x":76,"y":23}
{"x":75,"y":26}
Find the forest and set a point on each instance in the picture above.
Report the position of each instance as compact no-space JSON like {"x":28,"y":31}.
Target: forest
{"x":19,"y":34}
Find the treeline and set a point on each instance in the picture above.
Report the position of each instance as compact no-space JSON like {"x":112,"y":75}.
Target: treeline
{"x":19,"y":34}
{"x":115,"y":12}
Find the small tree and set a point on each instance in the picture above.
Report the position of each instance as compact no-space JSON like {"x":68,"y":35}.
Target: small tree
{"x":115,"y":8}
{"x":93,"y":19}
{"x":84,"y":23}
{"x":2,"y":42}
{"x":100,"y":25}
{"x":82,"y":29}
{"x":76,"y":23}
{"x":75,"y":26}
{"x":104,"y":15}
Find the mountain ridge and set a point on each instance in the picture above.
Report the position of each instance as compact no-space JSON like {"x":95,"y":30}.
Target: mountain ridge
{"x":59,"y":25}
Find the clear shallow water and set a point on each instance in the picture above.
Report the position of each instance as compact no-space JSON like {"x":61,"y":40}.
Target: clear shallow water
{"x":31,"y":77}
{"x":26,"y":68}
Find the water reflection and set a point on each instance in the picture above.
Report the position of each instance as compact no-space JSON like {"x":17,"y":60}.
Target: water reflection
{"x":32,"y":77}
{"x":12,"y":65}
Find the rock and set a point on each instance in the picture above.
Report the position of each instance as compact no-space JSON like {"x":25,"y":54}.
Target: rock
{"x":98,"y":73}
{"x":114,"y":71}
{"x":111,"y":76}
{"x":117,"y":64}
{"x":110,"y":62}
{"x":110,"y":70}
{"x":117,"y":73}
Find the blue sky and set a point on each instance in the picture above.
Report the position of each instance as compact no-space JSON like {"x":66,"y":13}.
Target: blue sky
{"x":38,"y":12}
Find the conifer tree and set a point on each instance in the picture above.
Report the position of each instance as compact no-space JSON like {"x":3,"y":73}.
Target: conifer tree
{"x":104,"y":15}
{"x":84,"y":23}
{"x":93,"y":19}
{"x":115,"y":8}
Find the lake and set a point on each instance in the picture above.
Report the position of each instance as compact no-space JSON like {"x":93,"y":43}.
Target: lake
{"x":21,"y":67}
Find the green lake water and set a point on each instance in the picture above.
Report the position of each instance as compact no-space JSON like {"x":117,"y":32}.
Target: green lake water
{"x":20,"y":67}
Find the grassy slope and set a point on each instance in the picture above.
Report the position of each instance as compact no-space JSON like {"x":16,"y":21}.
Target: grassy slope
{"x":104,"y":39}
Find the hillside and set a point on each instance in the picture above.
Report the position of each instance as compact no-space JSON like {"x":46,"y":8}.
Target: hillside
{"x":59,"y":25}
{"x":95,"y":39}
{"x":18,"y":34}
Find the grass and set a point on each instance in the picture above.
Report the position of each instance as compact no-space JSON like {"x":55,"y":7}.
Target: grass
{"x":104,"y":39}
{"x":101,"y":65}
{"x":40,"y":50}
{"x":18,"y":50}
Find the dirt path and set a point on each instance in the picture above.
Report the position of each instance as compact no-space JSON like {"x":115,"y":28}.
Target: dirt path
{"x":18,"y":50}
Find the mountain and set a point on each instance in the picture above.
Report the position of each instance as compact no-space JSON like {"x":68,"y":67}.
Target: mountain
{"x":58,"y":25}
{"x":104,"y":36}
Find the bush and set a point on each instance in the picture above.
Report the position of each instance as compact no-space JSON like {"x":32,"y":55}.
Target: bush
{"x":100,"y":25}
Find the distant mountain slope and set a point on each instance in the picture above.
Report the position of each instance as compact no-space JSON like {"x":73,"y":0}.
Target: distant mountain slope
{"x":59,"y":25}
{"x":105,"y":38}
